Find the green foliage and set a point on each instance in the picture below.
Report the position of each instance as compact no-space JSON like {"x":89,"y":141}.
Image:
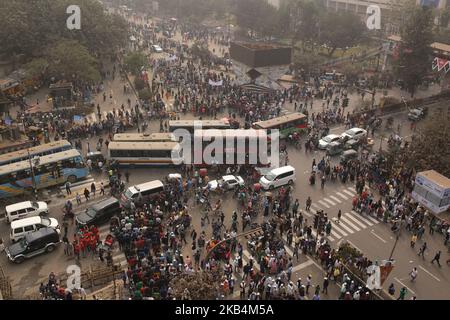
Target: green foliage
{"x":415,"y":53}
{"x":135,"y":61}
{"x":70,"y":59}
{"x":36,"y":67}
{"x":145,"y":94}
{"x":28,"y":27}
{"x":139,"y":84}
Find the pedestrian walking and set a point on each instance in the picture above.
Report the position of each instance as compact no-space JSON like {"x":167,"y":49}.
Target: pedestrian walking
{"x":93,"y":188}
{"x":68,"y":188}
{"x":127,"y":176}
{"x":308,"y":283}
{"x":86,"y":194}
{"x":436,"y":258}
{"x":325,"y":284}
{"x":422,"y":250}
{"x":391,"y":289}
{"x":308,"y":204}
{"x":339,"y":216}
{"x":413,"y":240}
{"x":78,"y":197}
{"x":413,"y":274}
{"x":402,"y":295}
{"x":102,"y":189}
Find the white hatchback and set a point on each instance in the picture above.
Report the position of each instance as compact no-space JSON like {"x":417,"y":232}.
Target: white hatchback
{"x":354,"y":134}
{"x":278,"y":177}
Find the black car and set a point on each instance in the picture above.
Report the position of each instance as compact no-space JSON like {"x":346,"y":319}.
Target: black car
{"x":99,"y":213}
{"x":34,"y":243}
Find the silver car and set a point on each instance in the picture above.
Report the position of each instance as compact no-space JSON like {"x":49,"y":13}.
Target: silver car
{"x":325,"y":141}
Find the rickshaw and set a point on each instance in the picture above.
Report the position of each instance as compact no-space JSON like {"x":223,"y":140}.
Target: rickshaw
{"x":334,"y":148}
{"x":348,"y":155}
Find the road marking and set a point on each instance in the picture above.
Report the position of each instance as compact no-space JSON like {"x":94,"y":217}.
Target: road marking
{"x":342,"y":196}
{"x":349,"y":230}
{"x":437,"y":279}
{"x":329,"y":201}
{"x":405,"y":285}
{"x":316,"y":206}
{"x":352,"y":189}
{"x":324,"y":204}
{"x":289,"y":251}
{"x":348,"y":192}
{"x":302,"y":266}
{"x":335,"y":227}
{"x":372,"y":219}
{"x":350,"y":224}
{"x":306,"y":213}
{"x":361,"y":217}
{"x":362,"y":225}
{"x":335,"y":234}
{"x":380,"y":238}
{"x":335,"y":199}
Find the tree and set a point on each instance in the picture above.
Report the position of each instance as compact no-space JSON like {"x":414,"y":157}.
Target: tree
{"x":135,"y":61}
{"x":340,"y":30}
{"x":428,"y":149}
{"x":415,"y":52}
{"x":71,"y":60}
{"x":36,"y":67}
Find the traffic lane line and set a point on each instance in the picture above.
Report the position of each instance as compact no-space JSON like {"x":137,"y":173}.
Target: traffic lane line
{"x":354,"y":245}
{"x":377,"y":236}
{"x":432,"y":275}
{"x":335,"y":199}
{"x":302,"y":266}
{"x":412,"y":291}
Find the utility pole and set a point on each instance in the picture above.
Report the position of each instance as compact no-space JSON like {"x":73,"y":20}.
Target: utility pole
{"x":33,"y":178}
{"x":395,"y":243}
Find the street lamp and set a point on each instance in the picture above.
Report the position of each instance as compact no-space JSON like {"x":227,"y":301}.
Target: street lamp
{"x":33,"y":162}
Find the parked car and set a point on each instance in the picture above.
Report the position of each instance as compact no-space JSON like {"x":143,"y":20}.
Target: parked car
{"x":157,"y":48}
{"x":334,"y":148}
{"x":416,"y":114}
{"x":354,"y":133}
{"x":33,"y":244}
{"x":278,"y":177}
{"x":325,"y":141}
{"x":20,"y":228}
{"x":228,"y":182}
{"x":25,"y":209}
{"x":99,"y":213}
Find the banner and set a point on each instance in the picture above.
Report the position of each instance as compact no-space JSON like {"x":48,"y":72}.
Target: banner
{"x":77,"y":119}
{"x":440,"y":64}
{"x":215,"y":83}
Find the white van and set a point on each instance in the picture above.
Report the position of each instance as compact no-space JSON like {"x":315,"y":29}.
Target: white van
{"x":25,"y":209}
{"x":20,"y":228}
{"x":278,"y":177}
{"x":147,"y":191}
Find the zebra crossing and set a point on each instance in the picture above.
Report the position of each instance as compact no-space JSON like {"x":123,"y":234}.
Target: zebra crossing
{"x":349,"y":223}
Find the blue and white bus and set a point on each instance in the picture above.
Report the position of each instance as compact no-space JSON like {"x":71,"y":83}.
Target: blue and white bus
{"x":41,"y":150}
{"x":54,"y":169}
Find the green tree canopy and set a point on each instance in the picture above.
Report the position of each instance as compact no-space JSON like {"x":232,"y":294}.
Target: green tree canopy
{"x":135,"y":61}
{"x":415,"y":52}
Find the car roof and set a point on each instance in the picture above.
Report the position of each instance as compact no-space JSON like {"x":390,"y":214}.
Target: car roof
{"x":354,"y":129}
{"x":332,"y":136}
{"x":42,"y":232}
{"x":229,"y":177}
{"x":25,"y":222}
{"x":351,"y":151}
{"x":104,"y":203}
{"x":282,"y":169}
{"x":18,"y":206}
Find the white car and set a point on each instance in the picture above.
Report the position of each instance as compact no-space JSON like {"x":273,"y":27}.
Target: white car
{"x":25,"y":209}
{"x":157,"y":48}
{"x":227,"y":182}
{"x":325,"y":141}
{"x":278,"y":177}
{"x":354,"y":133}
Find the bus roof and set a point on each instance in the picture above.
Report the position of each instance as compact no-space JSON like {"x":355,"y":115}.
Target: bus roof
{"x":142,"y":145}
{"x":138,"y":137}
{"x":21,"y":165}
{"x":434,"y":176}
{"x":271,"y":123}
{"x":242,"y":133}
{"x":181,"y":123}
{"x":34,"y":150}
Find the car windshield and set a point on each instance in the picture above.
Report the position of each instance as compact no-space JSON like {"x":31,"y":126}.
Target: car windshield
{"x":46,"y":221}
{"x":129,"y":194}
{"x":23,"y":243}
{"x":35,"y":205}
{"x":270,"y":176}
{"x":327,"y":139}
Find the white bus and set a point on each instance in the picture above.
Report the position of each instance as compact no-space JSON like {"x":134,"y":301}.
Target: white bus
{"x":145,"y":137}
{"x":145,"y":153}
{"x":191,"y":125}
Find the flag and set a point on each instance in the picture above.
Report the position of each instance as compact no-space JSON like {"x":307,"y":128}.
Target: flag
{"x":441,"y":63}
{"x":434,"y":64}
{"x":77,"y":118}
{"x":447,"y":67}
